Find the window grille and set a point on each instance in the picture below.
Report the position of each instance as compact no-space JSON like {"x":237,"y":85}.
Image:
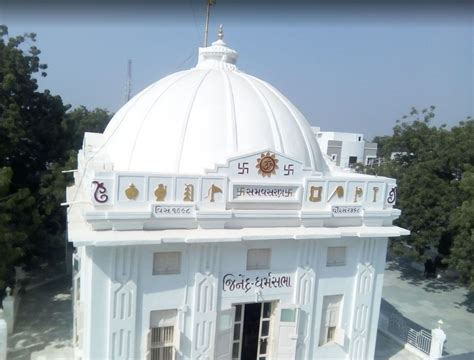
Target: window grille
{"x":162,"y":343}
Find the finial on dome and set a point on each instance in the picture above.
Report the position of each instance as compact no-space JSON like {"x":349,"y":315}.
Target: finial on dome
{"x":218,"y":55}
{"x":220,"y":33}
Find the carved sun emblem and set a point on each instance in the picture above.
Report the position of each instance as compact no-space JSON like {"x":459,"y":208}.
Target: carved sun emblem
{"x":267,"y":164}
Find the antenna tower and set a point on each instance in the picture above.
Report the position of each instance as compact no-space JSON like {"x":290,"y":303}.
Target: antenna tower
{"x":208,"y":13}
{"x":129,"y":79}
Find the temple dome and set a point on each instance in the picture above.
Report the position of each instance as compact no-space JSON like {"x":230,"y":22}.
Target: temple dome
{"x":192,"y":120}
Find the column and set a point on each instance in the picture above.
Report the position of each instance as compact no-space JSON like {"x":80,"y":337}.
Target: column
{"x":438,"y":337}
{"x":9,"y":310}
{"x":3,"y":337}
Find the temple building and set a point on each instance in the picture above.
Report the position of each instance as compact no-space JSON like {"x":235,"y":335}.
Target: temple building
{"x":208,"y":225}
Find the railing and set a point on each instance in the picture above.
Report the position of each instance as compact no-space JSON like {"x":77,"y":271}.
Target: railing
{"x":403,"y":329}
{"x":420,"y":339}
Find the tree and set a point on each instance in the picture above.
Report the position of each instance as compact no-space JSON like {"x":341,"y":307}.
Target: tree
{"x":462,"y":250}
{"x":9,"y":242}
{"x":30,"y":120}
{"x":38,"y":139}
{"x":432,"y":166}
{"x":30,"y":124}
{"x":80,"y":120}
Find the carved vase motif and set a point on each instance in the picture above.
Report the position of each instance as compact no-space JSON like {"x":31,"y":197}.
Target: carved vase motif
{"x":131,"y":192}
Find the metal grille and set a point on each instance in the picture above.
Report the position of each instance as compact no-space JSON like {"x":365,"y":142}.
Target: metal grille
{"x":405,"y":329}
{"x":162,"y":343}
{"x":420,"y":339}
{"x":164,"y":353}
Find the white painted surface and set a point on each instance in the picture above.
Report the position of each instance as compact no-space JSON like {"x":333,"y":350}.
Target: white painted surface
{"x":352,"y":144}
{"x":191,"y":120}
{"x":8,"y":304}
{"x":199,"y":293}
{"x":201,"y":134}
{"x":438,"y":337}
{"x":3,"y":337}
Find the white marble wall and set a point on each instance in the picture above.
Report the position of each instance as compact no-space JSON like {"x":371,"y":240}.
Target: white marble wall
{"x":122,"y":291}
{"x":3,"y":337}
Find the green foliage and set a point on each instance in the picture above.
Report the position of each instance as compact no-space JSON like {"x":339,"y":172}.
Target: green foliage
{"x":80,"y":120}
{"x":14,"y":208}
{"x":462,"y":250}
{"x":39,"y":139}
{"x":30,"y":121}
{"x":433,"y":169}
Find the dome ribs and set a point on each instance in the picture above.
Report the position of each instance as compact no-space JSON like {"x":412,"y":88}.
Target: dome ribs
{"x":232,"y":132}
{"x":289,"y":107}
{"x":144,"y":119}
{"x":278,"y":142}
{"x":116,"y":125}
{"x":186,"y":120}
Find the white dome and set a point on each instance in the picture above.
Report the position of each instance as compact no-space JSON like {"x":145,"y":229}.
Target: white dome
{"x":192,"y":120}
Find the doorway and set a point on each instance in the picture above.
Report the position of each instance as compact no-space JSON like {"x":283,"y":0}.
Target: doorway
{"x":251,"y":336}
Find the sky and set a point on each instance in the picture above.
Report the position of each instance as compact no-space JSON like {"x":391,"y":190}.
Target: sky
{"x":347,"y":68}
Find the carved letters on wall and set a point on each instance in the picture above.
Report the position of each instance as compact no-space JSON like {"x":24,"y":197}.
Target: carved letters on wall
{"x":231,"y":282}
{"x":392,"y":195}
{"x":100,"y":192}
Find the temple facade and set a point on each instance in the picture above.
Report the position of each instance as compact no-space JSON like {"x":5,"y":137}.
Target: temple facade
{"x":208,"y":225}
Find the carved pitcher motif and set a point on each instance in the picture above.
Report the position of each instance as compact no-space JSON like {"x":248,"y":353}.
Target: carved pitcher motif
{"x":160,"y":192}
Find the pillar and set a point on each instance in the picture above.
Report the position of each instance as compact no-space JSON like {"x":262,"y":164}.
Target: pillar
{"x":438,"y":337}
{"x":3,"y":337}
{"x":9,"y":310}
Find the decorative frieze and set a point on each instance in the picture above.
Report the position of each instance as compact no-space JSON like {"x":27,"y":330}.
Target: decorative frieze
{"x":199,"y":190}
{"x":265,"y":180}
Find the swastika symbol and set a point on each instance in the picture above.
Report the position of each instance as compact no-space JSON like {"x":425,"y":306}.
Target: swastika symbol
{"x":243,"y":168}
{"x":288,"y":169}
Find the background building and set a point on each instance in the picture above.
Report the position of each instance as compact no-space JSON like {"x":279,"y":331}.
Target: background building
{"x":346,"y":149}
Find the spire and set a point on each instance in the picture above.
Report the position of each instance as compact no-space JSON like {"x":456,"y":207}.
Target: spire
{"x":220,"y":33}
{"x":218,"y":54}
